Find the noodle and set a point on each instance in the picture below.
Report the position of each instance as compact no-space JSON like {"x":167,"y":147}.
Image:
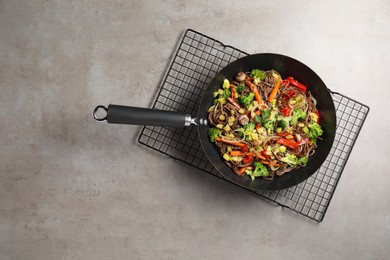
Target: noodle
{"x":266,"y":135}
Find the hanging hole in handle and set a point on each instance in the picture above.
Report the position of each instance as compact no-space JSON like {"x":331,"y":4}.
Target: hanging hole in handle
{"x":97,"y":114}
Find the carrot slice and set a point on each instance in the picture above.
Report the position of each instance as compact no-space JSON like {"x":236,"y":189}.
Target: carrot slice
{"x":237,"y":153}
{"x":260,"y":156}
{"x":242,"y":170}
{"x":274,"y":164}
{"x":274,"y":90}
{"x":254,"y":90}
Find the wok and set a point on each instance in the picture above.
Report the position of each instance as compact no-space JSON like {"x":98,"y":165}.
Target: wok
{"x":286,"y":66}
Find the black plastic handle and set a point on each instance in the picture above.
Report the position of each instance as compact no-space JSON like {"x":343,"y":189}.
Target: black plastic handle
{"x":143,"y":116}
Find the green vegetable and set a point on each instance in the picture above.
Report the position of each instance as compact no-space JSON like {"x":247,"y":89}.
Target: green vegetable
{"x":273,"y":115}
{"x":293,"y":160}
{"x":226,"y":157}
{"x":297,"y":114}
{"x":282,"y":124}
{"x":240,"y":131}
{"x":290,"y":159}
{"x":265,"y":114}
{"x":246,"y":100}
{"x":226,"y":93}
{"x":302,"y":161}
{"x":268,"y":119}
{"x":314,"y":131}
{"x":213,"y":133}
{"x":241,"y":88}
{"x":222,"y":100}
{"x":260,"y":170}
{"x":268,"y":124}
{"x":257,"y":75}
{"x":226,"y":84}
{"x":248,"y":129}
{"x":274,"y":104}
{"x":298,"y":100}
{"x":258,"y":119}
{"x":282,"y":149}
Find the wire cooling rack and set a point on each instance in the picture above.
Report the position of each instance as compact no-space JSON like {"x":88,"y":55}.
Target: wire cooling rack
{"x":198,"y":58}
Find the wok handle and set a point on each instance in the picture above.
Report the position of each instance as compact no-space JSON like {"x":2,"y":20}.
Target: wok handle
{"x":116,"y":114}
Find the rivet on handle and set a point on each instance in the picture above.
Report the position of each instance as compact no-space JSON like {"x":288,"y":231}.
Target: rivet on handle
{"x":95,"y":112}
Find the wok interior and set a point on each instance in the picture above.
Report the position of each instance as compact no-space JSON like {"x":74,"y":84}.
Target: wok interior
{"x":286,"y":66}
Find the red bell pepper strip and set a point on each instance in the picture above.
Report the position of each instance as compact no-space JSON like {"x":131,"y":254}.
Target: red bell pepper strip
{"x":245,"y":148}
{"x":247,"y":159}
{"x":285,"y":111}
{"x":291,"y":93}
{"x":283,"y":133}
{"x":295,"y":83}
{"x":264,"y":154}
{"x":290,"y":143}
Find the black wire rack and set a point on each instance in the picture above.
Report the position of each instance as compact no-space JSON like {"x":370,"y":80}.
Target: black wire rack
{"x":198,"y":58}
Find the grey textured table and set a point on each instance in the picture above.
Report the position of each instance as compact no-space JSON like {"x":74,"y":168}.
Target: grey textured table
{"x":71,"y":188}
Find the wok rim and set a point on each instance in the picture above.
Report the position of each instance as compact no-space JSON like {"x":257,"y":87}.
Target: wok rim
{"x":300,"y":174}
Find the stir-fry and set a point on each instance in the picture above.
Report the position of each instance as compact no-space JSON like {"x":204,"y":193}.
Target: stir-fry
{"x":264,"y":125}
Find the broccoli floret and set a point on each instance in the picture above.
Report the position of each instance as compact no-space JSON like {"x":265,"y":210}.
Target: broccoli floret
{"x":269,"y":118}
{"x":297,"y":114}
{"x":258,"y":75}
{"x":293,"y":160}
{"x":302,"y":161}
{"x":213,"y":133}
{"x":282,"y":124}
{"x":268,"y":124}
{"x":250,"y":126}
{"x":314,"y":131}
{"x":246,"y":100}
{"x":248,"y":129}
{"x":240,"y":131}
{"x":273,"y":115}
{"x":259,"y":170}
{"x":226,"y":93}
{"x":290,"y":159}
{"x":241,"y":88}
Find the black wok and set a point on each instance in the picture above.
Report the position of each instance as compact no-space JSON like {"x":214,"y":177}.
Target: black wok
{"x":286,"y":66}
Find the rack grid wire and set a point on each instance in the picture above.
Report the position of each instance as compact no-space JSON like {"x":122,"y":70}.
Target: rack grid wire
{"x":197,"y":59}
